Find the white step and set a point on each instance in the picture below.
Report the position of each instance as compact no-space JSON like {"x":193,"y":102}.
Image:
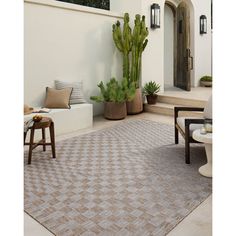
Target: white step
{"x":160,"y":108}
{"x":180,"y":101}
{"x":166,"y":101}
{"x":168,"y":109}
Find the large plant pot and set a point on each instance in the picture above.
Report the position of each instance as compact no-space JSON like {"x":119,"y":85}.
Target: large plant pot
{"x":151,"y":99}
{"x":115,"y":110}
{"x":206,"y":83}
{"x":136,"y":105}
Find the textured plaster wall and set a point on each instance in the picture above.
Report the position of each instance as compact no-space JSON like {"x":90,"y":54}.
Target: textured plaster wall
{"x":69,"y":44}
{"x":153,"y":66}
{"x":131,"y":6}
{"x":169,"y":47}
{"x":203,"y":43}
{"x":153,"y":56}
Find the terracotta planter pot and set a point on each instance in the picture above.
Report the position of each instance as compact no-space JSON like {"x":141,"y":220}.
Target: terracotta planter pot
{"x":151,"y":99}
{"x":115,"y":110}
{"x":135,"y":106}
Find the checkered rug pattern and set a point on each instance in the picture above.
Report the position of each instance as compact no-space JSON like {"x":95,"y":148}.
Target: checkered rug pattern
{"x":129,"y":179}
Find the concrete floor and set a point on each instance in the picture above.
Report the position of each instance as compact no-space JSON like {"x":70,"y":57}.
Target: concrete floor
{"x":198,"y":222}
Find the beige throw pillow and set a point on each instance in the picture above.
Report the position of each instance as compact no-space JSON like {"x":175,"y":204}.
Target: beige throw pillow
{"x":58,"y":98}
{"x":77,"y":95}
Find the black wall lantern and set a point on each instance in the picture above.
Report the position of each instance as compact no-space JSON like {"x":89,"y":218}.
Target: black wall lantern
{"x":155,"y":16}
{"x":203,"y":24}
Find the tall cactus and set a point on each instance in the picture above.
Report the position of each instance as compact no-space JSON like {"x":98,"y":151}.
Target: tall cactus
{"x":139,"y":42}
{"x":123,"y":42}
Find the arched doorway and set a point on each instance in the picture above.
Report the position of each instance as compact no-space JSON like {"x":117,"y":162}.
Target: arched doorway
{"x":178,"y":50}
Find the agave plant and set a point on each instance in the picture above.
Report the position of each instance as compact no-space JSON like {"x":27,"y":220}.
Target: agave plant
{"x":151,"y":88}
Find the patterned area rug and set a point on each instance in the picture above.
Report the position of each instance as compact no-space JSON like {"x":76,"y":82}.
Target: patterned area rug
{"x":126,"y":180}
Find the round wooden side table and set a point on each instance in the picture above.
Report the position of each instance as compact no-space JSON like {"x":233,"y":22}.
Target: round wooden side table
{"x":205,"y":170}
{"x":46,"y":122}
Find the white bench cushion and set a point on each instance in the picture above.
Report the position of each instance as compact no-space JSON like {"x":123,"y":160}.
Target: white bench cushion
{"x":208,"y":109}
{"x":192,"y":127}
{"x":80,"y":116}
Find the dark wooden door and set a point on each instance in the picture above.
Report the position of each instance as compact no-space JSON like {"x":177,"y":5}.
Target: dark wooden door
{"x":184,"y":59}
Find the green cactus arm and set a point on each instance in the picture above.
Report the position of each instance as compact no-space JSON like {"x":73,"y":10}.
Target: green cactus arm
{"x":130,"y":93}
{"x":145,"y":44}
{"x":120,"y":95}
{"x":97,"y":98}
{"x":115,"y":91}
{"x":139,"y":43}
{"x":102,"y":88}
{"x":117,"y":36}
{"x":123,"y":42}
{"x":104,"y":91}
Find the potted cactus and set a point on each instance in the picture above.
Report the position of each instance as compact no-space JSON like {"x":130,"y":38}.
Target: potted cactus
{"x":114,"y":96}
{"x":132,"y":42}
{"x":151,"y":89}
{"x":123,"y":42}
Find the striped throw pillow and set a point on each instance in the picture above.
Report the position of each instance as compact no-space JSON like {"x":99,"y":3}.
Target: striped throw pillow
{"x":77,"y":95}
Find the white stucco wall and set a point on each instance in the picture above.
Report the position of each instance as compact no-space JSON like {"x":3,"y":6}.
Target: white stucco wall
{"x":169,"y":47}
{"x":68,"y":42}
{"x":131,"y":6}
{"x":203,"y":43}
{"x":74,"y":42}
{"x":153,"y":56}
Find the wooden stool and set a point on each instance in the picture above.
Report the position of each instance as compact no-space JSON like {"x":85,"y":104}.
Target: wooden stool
{"x":46,"y":122}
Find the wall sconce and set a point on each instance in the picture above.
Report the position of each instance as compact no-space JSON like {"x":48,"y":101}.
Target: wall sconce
{"x":203,"y":24}
{"x":155,"y":16}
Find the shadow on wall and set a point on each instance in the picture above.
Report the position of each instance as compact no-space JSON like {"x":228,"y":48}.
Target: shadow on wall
{"x":101,"y":62}
{"x":68,"y":45}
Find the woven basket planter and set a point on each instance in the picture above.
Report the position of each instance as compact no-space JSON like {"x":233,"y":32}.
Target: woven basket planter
{"x":115,"y":110}
{"x":136,"y":105}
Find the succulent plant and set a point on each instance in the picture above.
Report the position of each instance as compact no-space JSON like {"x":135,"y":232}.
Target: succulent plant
{"x":206,"y":78}
{"x":151,"y":88}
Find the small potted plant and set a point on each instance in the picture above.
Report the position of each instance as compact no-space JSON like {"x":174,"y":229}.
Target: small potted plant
{"x":114,"y":96}
{"x":206,"y":81}
{"x":151,"y":89}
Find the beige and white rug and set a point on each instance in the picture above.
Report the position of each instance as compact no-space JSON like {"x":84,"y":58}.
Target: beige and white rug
{"x":126,"y":180}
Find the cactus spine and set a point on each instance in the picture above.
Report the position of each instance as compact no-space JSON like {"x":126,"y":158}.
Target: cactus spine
{"x":139,"y":42}
{"x":123,"y":42}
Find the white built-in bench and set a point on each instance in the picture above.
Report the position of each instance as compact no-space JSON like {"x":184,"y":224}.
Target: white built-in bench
{"x":79,"y":116}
